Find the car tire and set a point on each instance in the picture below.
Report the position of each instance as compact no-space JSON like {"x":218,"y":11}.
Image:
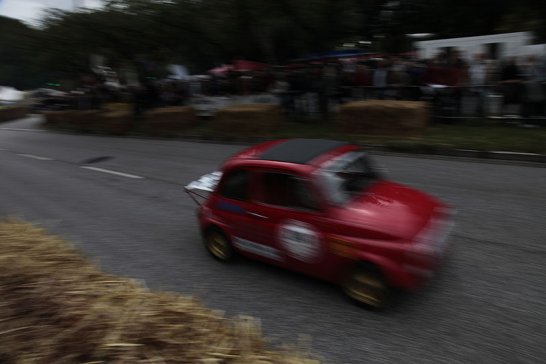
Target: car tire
{"x":218,"y":245}
{"x":365,"y":286}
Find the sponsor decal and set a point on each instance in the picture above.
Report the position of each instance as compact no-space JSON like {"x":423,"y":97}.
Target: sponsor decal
{"x":342,"y":247}
{"x":258,"y":249}
{"x":301,"y":240}
{"x":230,"y":207}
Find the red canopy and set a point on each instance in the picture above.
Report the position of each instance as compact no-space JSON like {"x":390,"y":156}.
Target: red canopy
{"x":243,"y":65}
{"x":239,"y":66}
{"x":222,"y":70}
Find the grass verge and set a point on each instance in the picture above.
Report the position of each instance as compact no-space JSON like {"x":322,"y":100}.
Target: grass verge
{"x":484,"y":136}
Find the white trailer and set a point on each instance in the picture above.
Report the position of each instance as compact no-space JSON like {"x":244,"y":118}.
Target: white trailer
{"x":497,"y":46}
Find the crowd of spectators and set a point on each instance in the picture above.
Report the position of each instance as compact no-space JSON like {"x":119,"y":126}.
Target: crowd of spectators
{"x":519,"y":81}
{"x":318,"y":87}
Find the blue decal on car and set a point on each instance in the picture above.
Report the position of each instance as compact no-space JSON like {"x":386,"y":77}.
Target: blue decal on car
{"x":231,"y":207}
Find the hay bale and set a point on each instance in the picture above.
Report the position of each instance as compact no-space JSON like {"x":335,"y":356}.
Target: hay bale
{"x":52,"y":118}
{"x":63,"y":119}
{"x":116,"y":119}
{"x":117,"y":122}
{"x":9,"y":113}
{"x":169,"y":120}
{"x":58,"y":308}
{"x":250,"y":119}
{"x":86,"y":120}
{"x":388,"y":117}
{"x":72,"y":119}
{"x":117,"y":106}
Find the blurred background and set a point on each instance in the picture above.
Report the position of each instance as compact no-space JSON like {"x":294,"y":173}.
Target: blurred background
{"x":443,"y":78}
{"x":312,"y":54}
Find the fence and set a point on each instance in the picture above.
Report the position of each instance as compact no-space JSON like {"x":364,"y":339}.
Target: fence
{"x":446,"y":102}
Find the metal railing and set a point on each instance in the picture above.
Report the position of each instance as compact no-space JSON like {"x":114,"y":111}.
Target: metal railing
{"x":446,"y":102}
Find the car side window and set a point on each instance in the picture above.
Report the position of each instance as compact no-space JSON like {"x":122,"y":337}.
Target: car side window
{"x":285,"y":190}
{"x":235,"y":185}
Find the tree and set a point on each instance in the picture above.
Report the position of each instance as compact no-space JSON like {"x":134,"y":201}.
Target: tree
{"x":17,"y":63}
{"x":204,"y":33}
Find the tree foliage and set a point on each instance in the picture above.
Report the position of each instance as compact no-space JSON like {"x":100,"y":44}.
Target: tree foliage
{"x":204,"y":33}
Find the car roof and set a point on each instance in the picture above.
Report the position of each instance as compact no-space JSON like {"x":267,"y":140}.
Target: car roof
{"x":299,"y":151}
{"x":301,"y":155}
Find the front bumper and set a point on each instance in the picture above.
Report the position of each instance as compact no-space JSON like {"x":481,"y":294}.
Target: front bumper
{"x":424,"y":257}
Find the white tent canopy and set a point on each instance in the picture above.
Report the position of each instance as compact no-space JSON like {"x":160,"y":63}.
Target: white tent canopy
{"x":178,"y":72}
{"x":9,"y":94}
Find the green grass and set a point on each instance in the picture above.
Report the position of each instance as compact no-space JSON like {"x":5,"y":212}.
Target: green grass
{"x":489,"y":137}
{"x":464,"y":135}
{"x":482,"y":135}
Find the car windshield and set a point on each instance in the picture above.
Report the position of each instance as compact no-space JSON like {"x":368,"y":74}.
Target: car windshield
{"x":346,"y":176}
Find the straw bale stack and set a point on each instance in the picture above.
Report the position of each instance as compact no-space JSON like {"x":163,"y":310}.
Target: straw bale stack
{"x":9,"y":113}
{"x":86,"y":120}
{"x":115,"y":118}
{"x":117,"y":106}
{"x":169,"y":120}
{"x":247,"y":119}
{"x":58,"y":308}
{"x":383,"y":117}
{"x":60,"y":118}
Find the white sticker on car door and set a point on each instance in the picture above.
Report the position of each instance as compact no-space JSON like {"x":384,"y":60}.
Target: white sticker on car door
{"x":300,"y":240}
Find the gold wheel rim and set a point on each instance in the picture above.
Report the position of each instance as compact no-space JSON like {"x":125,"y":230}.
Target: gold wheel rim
{"x":367,"y":289}
{"x":218,"y":246}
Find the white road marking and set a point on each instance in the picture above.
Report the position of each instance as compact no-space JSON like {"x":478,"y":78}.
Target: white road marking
{"x":21,"y":129}
{"x":516,"y":153}
{"x":35,"y":157}
{"x":112,"y":172}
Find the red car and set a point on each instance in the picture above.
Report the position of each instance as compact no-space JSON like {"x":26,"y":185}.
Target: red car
{"x":320,"y":207}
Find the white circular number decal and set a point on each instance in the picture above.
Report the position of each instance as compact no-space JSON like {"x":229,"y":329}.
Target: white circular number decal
{"x":300,"y":240}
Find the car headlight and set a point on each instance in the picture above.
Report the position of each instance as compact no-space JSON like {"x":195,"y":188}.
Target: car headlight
{"x":432,"y":238}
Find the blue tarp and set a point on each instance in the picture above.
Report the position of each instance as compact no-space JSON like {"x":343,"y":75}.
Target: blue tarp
{"x":333,"y":54}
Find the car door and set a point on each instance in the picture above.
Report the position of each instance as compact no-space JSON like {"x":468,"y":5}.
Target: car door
{"x":292,"y":218}
{"x":234,"y":206}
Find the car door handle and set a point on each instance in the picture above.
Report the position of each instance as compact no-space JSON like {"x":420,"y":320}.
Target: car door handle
{"x":257,"y":215}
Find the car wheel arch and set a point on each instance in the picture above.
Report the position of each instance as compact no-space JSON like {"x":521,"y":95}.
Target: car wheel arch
{"x":373,"y":262}
{"x":207,"y":229}
{"x":366,"y":285}
{"x":218,"y":243}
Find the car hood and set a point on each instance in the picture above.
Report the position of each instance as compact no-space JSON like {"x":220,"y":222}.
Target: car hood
{"x":390,"y":210}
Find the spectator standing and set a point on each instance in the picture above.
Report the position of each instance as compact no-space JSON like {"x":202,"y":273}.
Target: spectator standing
{"x":457,"y":78}
{"x":510,"y":83}
{"x":362,"y":79}
{"x":398,"y":78}
{"x":380,"y":78}
{"x":458,"y":69}
{"x":477,"y":74}
{"x":281,"y":88}
{"x":533,"y":75}
{"x":362,"y":76}
{"x":327,"y":88}
{"x":478,"y":71}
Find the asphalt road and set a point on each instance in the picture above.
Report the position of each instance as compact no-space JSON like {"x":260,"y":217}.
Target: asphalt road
{"x":488,"y":304}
